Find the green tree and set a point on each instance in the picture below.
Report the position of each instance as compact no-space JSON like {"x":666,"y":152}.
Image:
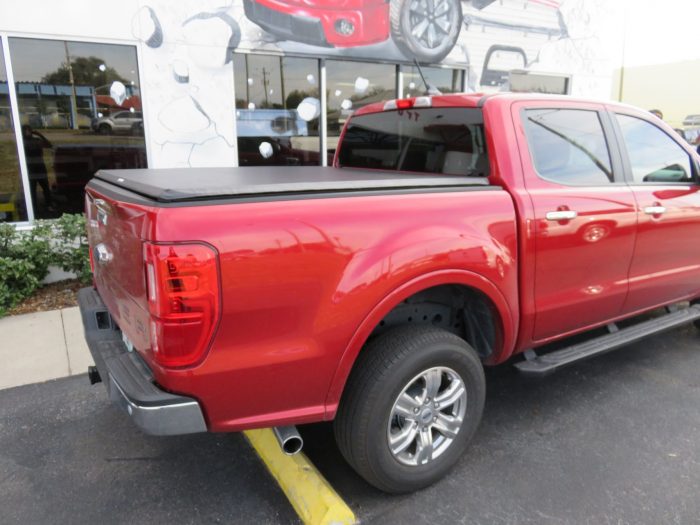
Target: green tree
{"x":295,"y":97}
{"x":86,"y":71}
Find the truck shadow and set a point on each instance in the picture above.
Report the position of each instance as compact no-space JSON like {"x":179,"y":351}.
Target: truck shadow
{"x":526,"y":416}
{"x":67,"y":455}
{"x":64,"y":441}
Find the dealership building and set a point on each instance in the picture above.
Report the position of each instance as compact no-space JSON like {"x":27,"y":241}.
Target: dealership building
{"x":166,"y":84}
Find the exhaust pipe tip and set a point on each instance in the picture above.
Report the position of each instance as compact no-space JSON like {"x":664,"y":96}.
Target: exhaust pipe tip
{"x":293,"y":445}
{"x":289,"y":439}
{"x":94,"y":375}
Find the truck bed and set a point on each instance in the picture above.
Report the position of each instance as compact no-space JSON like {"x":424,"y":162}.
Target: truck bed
{"x":179,"y":185}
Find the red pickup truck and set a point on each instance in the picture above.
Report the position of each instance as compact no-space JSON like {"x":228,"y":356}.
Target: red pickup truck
{"x":452,"y":233}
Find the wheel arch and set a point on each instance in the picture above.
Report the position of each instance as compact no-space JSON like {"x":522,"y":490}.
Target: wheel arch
{"x":505,"y":322}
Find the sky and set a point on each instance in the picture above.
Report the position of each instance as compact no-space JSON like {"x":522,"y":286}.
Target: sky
{"x":661,"y":32}
{"x":32,"y":59}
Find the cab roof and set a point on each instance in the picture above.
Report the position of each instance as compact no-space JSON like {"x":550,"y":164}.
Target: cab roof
{"x":475,"y":100}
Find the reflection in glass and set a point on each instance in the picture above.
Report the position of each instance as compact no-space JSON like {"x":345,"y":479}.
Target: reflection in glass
{"x":445,"y":79}
{"x":449,"y":141}
{"x":277,"y":110}
{"x":568,"y":146}
{"x":352,"y":85}
{"x":12,"y":206}
{"x":80,"y":111}
{"x":654,"y":156}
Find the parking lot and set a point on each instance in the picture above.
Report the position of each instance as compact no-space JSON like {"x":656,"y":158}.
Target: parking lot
{"x":611,"y":440}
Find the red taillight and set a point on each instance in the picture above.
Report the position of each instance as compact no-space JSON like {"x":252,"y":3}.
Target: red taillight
{"x":408,"y":103}
{"x":404,"y":103}
{"x":183,"y":299}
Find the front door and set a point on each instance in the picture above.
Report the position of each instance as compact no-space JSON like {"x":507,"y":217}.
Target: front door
{"x":661,"y":173}
{"x":584,"y":217}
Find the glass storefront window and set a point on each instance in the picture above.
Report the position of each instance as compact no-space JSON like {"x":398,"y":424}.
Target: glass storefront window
{"x":80,"y":111}
{"x":352,"y":85}
{"x":445,"y":79}
{"x":12,"y":205}
{"x":277,"y":110}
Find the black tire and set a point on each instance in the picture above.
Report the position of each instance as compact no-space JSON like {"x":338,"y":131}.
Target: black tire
{"x":104,"y":129}
{"x":696,"y":322}
{"x":402,"y":20}
{"x":385,"y":367}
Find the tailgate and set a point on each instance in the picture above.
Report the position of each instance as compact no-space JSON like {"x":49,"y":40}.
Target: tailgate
{"x":116,"y":231}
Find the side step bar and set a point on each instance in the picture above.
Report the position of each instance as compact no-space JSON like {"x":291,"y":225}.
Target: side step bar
{"x":542,"y":365}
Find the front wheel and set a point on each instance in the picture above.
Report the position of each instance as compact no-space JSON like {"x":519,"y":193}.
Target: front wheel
{"x":425,"y":29}
{"x":410,"y":408}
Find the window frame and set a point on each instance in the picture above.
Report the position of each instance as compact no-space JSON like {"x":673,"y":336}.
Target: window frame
{"x":323,"y":81}
{"x":625,"y":157}
{"x":402,"y":67}
{"x":609,"y":137}
{"x":5,"y":37}
{"x":398,"y":83}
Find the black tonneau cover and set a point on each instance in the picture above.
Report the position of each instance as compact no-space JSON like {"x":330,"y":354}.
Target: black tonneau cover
{"x":189,"y":184}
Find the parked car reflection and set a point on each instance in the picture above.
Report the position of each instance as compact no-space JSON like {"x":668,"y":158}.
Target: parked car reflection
{"x":129,"y":122}
{"x":269,"y":137}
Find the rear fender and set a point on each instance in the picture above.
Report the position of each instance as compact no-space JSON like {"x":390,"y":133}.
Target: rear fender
{"x":507,"y":328}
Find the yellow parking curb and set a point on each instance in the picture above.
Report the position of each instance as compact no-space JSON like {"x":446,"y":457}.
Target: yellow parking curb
{"x":307,"y":490}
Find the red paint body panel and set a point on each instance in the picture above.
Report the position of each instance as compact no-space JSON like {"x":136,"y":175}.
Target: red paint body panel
{"x":370,"y":18}
{"x":304,"y":282}
{"x":666,"y":260}
{"x":666,"y":263}
{"x":300,"y":277}
{"x":124,"y":284}
{"x":581,"y":265}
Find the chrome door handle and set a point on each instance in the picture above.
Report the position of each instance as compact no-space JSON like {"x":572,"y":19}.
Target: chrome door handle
{"x":654,"y":210}
{"x":561,"y":215}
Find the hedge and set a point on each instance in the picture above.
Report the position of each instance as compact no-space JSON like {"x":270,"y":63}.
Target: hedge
{"x":25,"y":256}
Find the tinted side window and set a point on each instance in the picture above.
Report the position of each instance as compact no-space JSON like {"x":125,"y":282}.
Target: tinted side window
{"x":568,"y":146}
{"x":654,"y":156}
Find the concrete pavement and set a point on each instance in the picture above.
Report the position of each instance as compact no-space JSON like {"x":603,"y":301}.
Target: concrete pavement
{"x":611,"y":440}
{"x":41,"y":346}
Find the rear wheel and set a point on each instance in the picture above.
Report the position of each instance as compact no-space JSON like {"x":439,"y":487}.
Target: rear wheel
{"x":410,"y":408}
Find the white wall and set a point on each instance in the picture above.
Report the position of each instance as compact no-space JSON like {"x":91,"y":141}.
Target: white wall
{"x":188,"y":123}
{"x":187,"y":83}
{"x":98,"y":19}
{"x":661,"y":33}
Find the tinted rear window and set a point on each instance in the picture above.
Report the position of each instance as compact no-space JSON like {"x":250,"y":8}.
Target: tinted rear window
{"x":447,"y":141}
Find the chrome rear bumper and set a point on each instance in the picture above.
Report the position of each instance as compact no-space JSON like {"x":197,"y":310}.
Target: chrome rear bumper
{"x":128,"y":379}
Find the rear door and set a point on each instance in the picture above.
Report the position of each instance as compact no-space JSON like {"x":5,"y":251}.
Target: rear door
{"x":584,"y":215}
{"x":663,"y":176}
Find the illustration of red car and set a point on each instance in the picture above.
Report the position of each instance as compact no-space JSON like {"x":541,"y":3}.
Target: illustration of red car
{"x":424,"y":29}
